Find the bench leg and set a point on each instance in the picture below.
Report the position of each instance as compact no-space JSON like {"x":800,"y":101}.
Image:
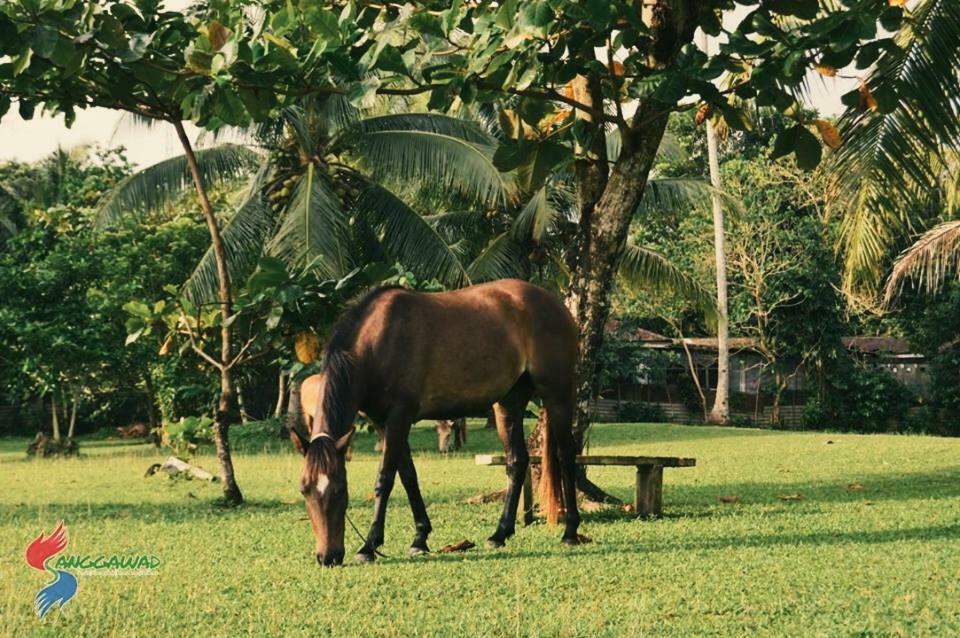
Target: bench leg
{"x":649,"y":499}
{"x":526,"y":499}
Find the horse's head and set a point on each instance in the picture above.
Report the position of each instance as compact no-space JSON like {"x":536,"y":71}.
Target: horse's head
{"x":323,"y":484}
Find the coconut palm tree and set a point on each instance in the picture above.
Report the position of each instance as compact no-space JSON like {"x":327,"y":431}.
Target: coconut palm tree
{"x":897,"y":169}
{"x":317,"y":196}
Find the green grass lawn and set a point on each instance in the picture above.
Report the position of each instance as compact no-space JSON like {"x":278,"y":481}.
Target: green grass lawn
{"x":884,"y":560}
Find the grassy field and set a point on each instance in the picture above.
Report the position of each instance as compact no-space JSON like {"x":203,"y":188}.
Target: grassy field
{"x":884,"y":560}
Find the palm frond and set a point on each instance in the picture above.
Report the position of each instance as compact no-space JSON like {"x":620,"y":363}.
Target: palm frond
{"x":314,"y":228}
{"x":456,"y":225}
{"x":928,"y":262}
{"x":500,"y":259}
{"x":407,"y":237}
{"x":160,"y":184}
{"x":670,"y":149}
{"x":448,"y":153}
{"x":648,"y":270}
{"x":244,"y":238}
{"x":884,"y":166}
{"x":672,"y":193}
{"x":536,"y":217}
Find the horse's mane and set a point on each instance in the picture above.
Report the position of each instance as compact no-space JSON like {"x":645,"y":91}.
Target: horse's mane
{"x":338,"y":368}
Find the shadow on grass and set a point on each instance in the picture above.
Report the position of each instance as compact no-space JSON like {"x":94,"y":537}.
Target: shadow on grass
{"x":941,"y":484}
{"x":600,"y":549}
{"x":681,"y":502}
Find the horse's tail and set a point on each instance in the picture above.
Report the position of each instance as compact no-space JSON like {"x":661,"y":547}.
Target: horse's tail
{"x":551,"y":489}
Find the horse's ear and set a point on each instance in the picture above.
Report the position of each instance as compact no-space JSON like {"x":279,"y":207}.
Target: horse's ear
{"x":300,"y":443}
{"x":343,"y":443}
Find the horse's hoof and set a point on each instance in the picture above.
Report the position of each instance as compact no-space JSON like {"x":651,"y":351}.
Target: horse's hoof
{"x":418,"y":551}
{"x":571,"y":542}
{"x":495,"y":543}
{"x":363,"y":557}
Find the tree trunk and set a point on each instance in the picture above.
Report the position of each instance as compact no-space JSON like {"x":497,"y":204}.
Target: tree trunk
{"x":607,"y":204}
{"x":225,"y":407}
{"x":720,"y":414}
{"x":588,"y":296}
{"x":244,"y":415}
{"x":151,"y":400}
{"x":55,"y":411}
{"x":281,"y":394}
{"x":73,"y":418}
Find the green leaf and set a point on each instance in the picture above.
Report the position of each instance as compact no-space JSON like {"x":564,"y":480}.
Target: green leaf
{"x":324,"y":24}
{"x":535,"y":17}
{"x":808,"y":148}
{"x":785,"y":143}
{"x":22,"y":61}
{"x":363,"y":94}
{"x":803,"y":9}
{"x":736,"y":118}
{"x":44,"y":40}
{"x":138,"y":309}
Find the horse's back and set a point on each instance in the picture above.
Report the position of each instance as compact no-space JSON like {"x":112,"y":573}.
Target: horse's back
{"x":468,"y":346}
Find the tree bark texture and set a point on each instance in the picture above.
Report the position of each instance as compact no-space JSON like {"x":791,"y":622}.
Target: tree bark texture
{"x":720,"y":414}
{"x":225,"y":406}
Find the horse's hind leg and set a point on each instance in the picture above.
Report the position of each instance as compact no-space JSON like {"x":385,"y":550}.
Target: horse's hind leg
{"x":408,"y":476}
{"x":509,"y":414}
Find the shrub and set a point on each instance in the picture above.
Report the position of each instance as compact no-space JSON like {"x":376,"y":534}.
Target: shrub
{"x":187,"y":434}
{"x":636,"y":411}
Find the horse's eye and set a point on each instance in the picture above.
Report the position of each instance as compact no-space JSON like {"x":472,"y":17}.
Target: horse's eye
{"x":304,"y":489}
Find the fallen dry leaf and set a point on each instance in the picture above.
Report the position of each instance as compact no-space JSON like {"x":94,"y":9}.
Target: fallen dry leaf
{"x":626,"y":507}
{"x":829,"y":442}
{"x":591,"y":506}
{"x":728,"y":499}
{"x":867,"y":502}
{"x":790,"y":497}
{"x":855,"y":486}
{"x":462,"y":546}
{"x":370,"y":497}
{"x":492,"y":497}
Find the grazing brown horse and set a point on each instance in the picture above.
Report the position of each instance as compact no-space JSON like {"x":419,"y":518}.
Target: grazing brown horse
{"x":399,"y":356}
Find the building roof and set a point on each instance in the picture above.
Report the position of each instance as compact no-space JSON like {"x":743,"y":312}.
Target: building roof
{"x":876,"y":345}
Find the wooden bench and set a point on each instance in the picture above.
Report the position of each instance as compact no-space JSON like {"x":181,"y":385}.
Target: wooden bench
{"x":648,"y":501}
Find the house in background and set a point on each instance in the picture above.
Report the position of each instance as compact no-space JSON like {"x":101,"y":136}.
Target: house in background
{"x":664,"y":383}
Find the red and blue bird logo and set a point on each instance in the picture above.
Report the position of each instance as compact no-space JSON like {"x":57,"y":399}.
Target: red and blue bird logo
{"x":63,"y":587}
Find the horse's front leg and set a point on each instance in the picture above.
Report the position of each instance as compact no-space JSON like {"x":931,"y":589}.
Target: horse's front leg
{"x":395,"y":442}
{"x":408,"y":476}
{"x":381,"y":490}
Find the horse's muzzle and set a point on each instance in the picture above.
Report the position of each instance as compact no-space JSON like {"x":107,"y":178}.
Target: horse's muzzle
{"x":330,"y":559}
